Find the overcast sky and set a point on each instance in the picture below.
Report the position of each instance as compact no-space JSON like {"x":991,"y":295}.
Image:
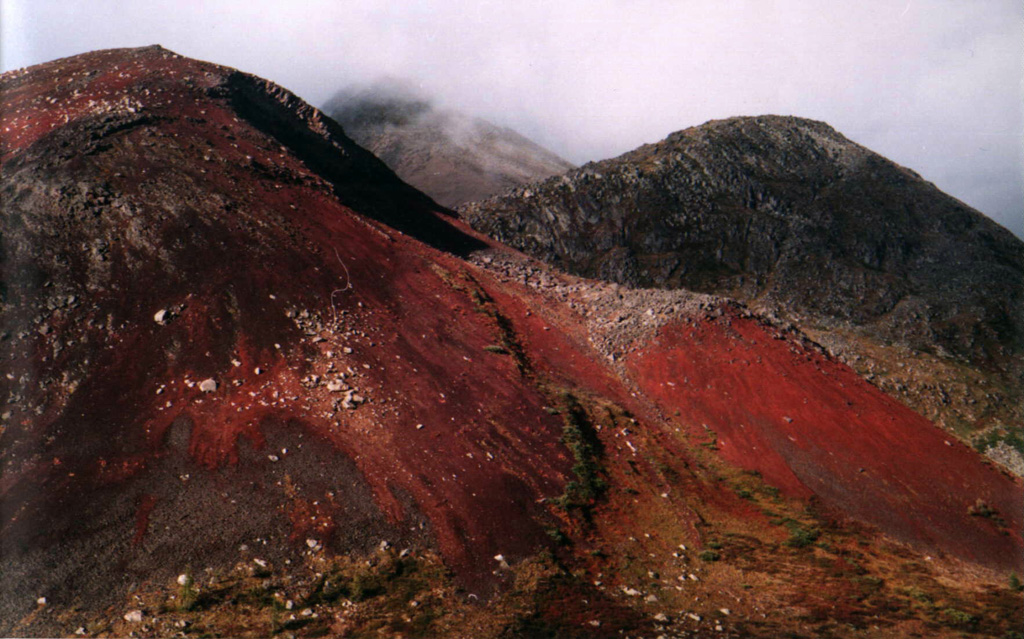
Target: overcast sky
{"x":935,"y":85}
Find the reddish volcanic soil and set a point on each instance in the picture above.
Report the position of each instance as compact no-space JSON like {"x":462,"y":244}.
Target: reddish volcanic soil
{"x":230,"y":334}
{"x":813,"y":427}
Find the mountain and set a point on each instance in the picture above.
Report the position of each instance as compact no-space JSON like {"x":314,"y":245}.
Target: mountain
{"x":921,"y":293}
{"x":450,"y":156}
{"x":255,"y":385}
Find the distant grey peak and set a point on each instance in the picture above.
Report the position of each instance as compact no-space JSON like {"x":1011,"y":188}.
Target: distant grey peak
{"x":451,"y":156}
{"x":385,"y":101}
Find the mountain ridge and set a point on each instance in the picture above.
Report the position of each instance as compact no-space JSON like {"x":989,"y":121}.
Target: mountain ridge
{"x":250,"y":377}
{"x":788,"y":215}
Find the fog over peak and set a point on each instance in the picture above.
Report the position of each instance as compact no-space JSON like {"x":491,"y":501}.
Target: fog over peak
{"x":387,"y":100}
{"x":935,"y":85}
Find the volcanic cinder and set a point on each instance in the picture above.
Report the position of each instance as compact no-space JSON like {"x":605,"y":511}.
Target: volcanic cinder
{"x":230,"y":334}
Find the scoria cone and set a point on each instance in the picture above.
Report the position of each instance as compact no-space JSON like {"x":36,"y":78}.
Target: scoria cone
{"x":238,"y":349}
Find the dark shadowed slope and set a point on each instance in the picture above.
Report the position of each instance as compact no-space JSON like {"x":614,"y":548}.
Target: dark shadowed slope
{"x":452,"y":157}
{"x":789,"y":215}
{"x":222,"y":359}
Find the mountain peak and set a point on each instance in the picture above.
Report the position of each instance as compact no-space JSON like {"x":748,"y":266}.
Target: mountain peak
{"x":388,"y":101}
{"x":788,"y":214}
{"x":451,"y":156}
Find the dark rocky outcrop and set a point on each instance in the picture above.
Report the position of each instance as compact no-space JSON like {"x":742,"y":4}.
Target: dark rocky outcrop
{"x":782,"y":210}
{"x":787,"y":214}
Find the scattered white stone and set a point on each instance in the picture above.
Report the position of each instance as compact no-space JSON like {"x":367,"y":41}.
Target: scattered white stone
{"x":259,"y":562}
{"x":725,"y":611}
{"x":346,"y":350}
{"x":661,"y":617}
{"x":80,"y":631}
{"x":236,"y":363}
{"x":352,"y":399}
{"x":133,"y":616}
{"x":631,"y":592}
{"x":419,"y":426}
{"x":335,"y":386}
{"x":693,"y":577}
{"x":693,"y":616}
{"x":312,"y":543}
{"x":595,"y":623}
{"x":258,"y":370}
{"x":384,"y":544}
{"x":161,"y":316}
{"x":288,"y":605}
{"x":41,"y":601}
{"x":208,"y":385}
{"x":183,"y":579}
{"x":651,"y":599}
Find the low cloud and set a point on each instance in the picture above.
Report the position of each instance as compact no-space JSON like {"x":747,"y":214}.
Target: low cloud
{"x":934,"y":85}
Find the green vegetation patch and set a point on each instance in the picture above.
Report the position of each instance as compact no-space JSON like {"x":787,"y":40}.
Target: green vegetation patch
{"x":580,"y":437}
{"x":1014,"y":438}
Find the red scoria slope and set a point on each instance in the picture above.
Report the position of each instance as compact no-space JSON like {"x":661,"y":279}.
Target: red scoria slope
{"x":230,"y":333}
{"x":812,"y":427}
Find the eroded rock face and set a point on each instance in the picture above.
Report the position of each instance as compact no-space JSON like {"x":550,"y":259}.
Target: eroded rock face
{"x":787,"y":214}
{"x":452,"y":157}
{"x":787,"y":210}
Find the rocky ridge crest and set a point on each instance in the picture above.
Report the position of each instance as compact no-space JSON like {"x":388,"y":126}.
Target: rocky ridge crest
{"x":788,"y":215}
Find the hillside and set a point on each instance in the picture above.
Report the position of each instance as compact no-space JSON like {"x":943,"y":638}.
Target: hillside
{"x":922,"y":294}
{"x":255,"y":385}
{"x":450,"y":156}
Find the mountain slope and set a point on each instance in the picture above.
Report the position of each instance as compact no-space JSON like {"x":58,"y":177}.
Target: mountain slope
{"x":789,"y":215}
{"x":450,"y":156}
{"x":255,"y":384}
